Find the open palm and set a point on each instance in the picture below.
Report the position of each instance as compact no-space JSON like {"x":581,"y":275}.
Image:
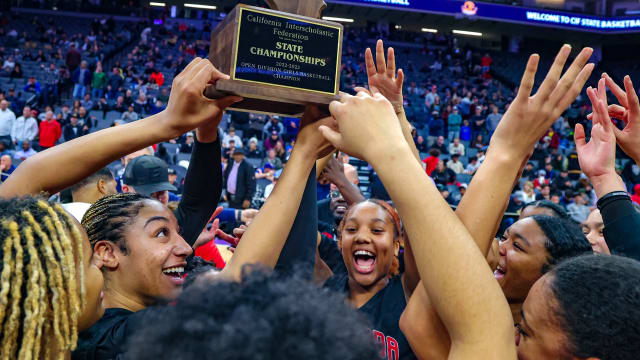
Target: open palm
{"x":383,"y":78}
{"x":597,"y":157}
{"x":629,"y":112}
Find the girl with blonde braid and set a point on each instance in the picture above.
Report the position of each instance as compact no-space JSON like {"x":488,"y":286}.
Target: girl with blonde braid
{"x":49,"y":290}
{"x":50,"y":284}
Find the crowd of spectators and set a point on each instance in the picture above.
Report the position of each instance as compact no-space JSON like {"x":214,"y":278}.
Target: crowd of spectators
{"x":453,"y":100}
{"x":355,"y":251}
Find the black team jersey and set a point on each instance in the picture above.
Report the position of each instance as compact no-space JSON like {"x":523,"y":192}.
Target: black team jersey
{"x":383,"y":311}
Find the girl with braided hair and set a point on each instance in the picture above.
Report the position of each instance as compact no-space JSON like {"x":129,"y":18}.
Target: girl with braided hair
{"x":41,"y":241}
{"x":143,"y":256}
{"x":49,"y":286}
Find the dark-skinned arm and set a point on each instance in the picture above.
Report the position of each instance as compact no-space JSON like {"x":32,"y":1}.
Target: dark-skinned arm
{"x":265,"y":238}
{"x":483,"y":205}
{"x":464,"y":292}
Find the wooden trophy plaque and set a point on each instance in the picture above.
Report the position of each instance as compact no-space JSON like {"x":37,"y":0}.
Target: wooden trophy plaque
{"x":279,"y":59}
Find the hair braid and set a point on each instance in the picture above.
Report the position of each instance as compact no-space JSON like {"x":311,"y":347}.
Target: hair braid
{"x":106,"y":219}
{"x":11,"y":325}
{"x":77,"y":239}
{"x":68,"y":262}
{"x":5,"y":277}
{"x":40,"y":304}
{"x":55,"y":275}
{"x":40,"y":301}
{"x":34,"y":294}
{"x":64,"y":301}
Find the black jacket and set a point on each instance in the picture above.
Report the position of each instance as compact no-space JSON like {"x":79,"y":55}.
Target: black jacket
{"x":69,"y":134}
{"x":201,"y":190}
{"x":246,"y":186}
{"x":621,"y":223}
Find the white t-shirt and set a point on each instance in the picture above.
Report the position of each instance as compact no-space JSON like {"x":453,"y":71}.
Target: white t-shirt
{"x":77,"y":209}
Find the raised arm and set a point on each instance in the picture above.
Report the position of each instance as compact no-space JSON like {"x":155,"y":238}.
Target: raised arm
{"x":455,"y":273}
{"x":597,"y":161}
{"x":629,"y":112}
{"x":525,"y":122}
{"x":264,"y":239}
{"x":384,"y":79}
{"x":483,"y":205}
{"x":61,"y":166}
{"x":334,"y":173}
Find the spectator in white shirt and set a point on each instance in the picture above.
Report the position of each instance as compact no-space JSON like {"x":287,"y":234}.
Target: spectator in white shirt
{"x":456,"y":147}
{"x":430,"y":98}
{"x":473,"y":166}
{"x":25,"y":128}
{"x":25,"y":152}
{"x":7,"y":118}
{"x":231,"y":135}
{"x":9,"y":63}
{"x":130,"y":115}
{"x":455,"y":165}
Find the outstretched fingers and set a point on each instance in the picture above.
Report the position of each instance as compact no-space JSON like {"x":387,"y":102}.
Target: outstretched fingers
{"x":391,"y":63}
{"x":400,"y":79}
{"x":553,"y":76}
{"x":370,"y":65}
{"x":573,"y":80}
{"x":380,"y":61}
{"x":618,"y":92}
{"x":528,"y":78}
{"x":579,"y":137}
{"x":632,"y":99}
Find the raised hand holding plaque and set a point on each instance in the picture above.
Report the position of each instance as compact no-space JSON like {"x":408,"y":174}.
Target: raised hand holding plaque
{"x":279,"y":59}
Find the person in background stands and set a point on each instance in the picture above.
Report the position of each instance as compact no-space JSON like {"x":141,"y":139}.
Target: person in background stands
{"x":50,"y":131}
{"x":115,"y":82}
{"x":98,"y":82}
{"x":73,"y":58}
{"x":432,"y":161}
{"x":33,"y":86}
{"x":453,"y":124}
{"x":187,"y":147}
{"x":87,"y":103}
{"x":440,"y":145}
{"x":7,"y":118}
{"x":239,"y":181}
{"x":82,"y":79}
{"x":493,"y":119}
{"x":25,"y":152}
{"x":130,"y":114}
{"x":578,"y":210}
{"x":231,"y":135}
{"x":51,"y":80}
{"x":94,"y":187}
{"x":73,"y":129}
{"x":149,"y":176}
{"x":456,"y":147}
{"x":25,"y":128}
{"x":455,"y":164}
{"x":6,"y":167}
